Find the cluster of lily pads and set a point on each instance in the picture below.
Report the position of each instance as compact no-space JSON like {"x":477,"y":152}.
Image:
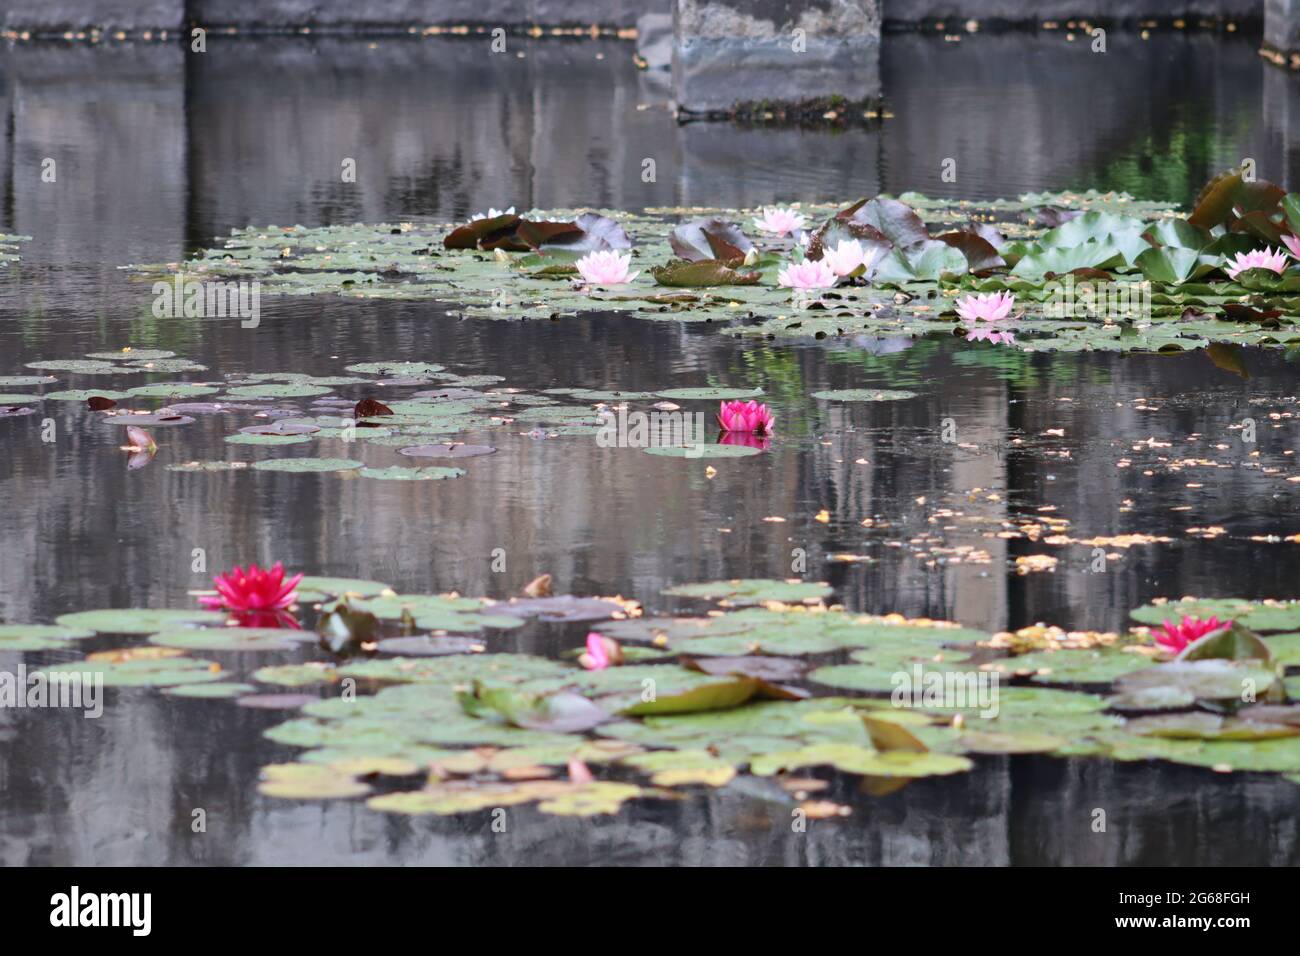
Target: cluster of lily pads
{"x":435,"y":411}
{"x":422,"y":704}
{"x":9,"y":246}
{"x":919,"y":255}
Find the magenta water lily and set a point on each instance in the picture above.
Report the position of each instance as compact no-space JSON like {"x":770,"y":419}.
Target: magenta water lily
{"x":254,"y":590}
{"x":1175,"y":637}
{"x":750,"y":418}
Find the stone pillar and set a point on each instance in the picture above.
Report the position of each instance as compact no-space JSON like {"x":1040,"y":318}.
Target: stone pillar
{"x":1282,"y":31}
{"x":729,"y":53}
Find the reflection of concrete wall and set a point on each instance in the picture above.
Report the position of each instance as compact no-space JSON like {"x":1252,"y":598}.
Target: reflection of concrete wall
{"x":428,"y":122}
{"x":113,"y":121}
{"x":401,"y":13}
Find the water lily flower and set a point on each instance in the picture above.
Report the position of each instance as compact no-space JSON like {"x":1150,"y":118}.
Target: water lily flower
{"x":1293,"y":244}
{"x":807,"y":275}
{"x":984,"y":334}
{"x":779,"y":222}
{"x":1174,"y":637}
{"x":257,"y":589}
{"x":601,"y":652}
{"x":846,"y":257}
{"x":605,"y":268}
{"x":579,"y":772}
{"x":492,"y":214}
{"x":989,"y":307}
{"x":1271,"y":259}
{"x":751,"y":418}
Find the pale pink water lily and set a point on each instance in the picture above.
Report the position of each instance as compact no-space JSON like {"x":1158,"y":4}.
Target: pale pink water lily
{"x":845,"y":257}
{"x":779,"y":222}
{"x":988,"y":307}
{"x":1271,"y":259}
{"x":751,"y":418}
{"x":606,"y":268}
{"x":1175,"y":637}
{"x":579,"y":772}
{"x":1293,"y":245}
{"x":492,"y":214}
{"x":982,"y":333}
{"x":807,"y":275}
{"x":601,"y":652}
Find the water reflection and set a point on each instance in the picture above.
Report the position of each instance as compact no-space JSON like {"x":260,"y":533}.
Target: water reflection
{"x":157,"y":152}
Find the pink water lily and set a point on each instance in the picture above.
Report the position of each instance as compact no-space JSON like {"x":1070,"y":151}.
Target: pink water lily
{"x":1272,"y":259}
{"x":601,"y":652}
{"x":606,"y":268}
{"x":989,"y":307}
{"x":779,"y":222}
{"x":807,"y":275}
{"x":257,"y":589}
{"x":750,"y":418}
{"x":1175,"y":637}
{"x":846,"y":257}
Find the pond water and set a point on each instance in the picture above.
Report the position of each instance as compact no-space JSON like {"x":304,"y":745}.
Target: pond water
{"x":158,"y":153}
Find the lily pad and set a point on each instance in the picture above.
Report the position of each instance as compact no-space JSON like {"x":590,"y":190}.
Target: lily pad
{"x":397,"y":473}
{"x":138,"y":620}
{"x":709,"y":393}
{"x":449,"y":450}
{"x":38,"y":637}
{"x":220,"y":690}
{"x":703,"y":451}
{"x":307,"y":465}
{"x":754,"y":591}
{"x":232,"y":639}
{"x":863,"y":395}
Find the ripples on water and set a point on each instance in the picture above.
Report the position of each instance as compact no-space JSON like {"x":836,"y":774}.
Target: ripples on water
{"x":157,"y":153}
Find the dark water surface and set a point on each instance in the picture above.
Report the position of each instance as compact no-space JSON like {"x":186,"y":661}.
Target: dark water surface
{"x":158,"y":153}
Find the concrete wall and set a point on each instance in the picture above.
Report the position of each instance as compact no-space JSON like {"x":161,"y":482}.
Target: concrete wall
{"x":58,"y":15}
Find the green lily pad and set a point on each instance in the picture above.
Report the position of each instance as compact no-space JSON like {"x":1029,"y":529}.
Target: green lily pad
{"x":38,"y":637}
{"x":138,"y":620}
{"x":754,"y":591}
{"x":398,"y":473}
{"x":306,"y":465}
{"x":702,"y":451}
{"x":161,"y":672}
{"x":676,"y":768}
{"x":296,"y":675}
{"x":296,"y":781}
{"x":291,"y":390}
{"x":243,"y":439}
{"x":135,"y":355}
{"x":863,"y":395}
{"x":220,"y":690}
{"x":232,"y":639}
{"x":172,"y":390}
{"x":709,"y":393}
{"x":84,"y":395}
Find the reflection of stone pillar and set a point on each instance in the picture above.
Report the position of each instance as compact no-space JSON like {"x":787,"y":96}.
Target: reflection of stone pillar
{"x":783,"y":51}
{"x":113,"y":121}
{"x":734,"y":165}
